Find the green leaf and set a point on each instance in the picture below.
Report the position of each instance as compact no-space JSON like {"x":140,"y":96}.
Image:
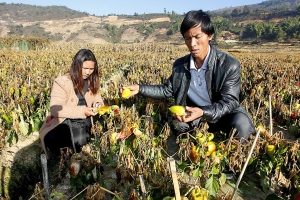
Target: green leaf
{"x":23,"y":126}
{"x":117,"y":197}
{"x":214,"y":170}
{"x":264,"y":184}
{"x":196,"y":173}
{"x":113,"y":148}
{"x":12,"y":137}
{"x":183,"y":140}
{"x":212,"y":186}
{"x":222,"y":179}
{"x":182,"y":165}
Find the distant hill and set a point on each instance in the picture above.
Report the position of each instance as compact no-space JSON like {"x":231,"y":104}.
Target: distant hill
{"x":24,"y":12}
{"x":61,"y":24}
{"x":267,"y":5}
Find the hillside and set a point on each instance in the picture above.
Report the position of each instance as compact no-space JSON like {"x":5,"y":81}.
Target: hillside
{"x":267,"y":5}
{"x":61,"y":24}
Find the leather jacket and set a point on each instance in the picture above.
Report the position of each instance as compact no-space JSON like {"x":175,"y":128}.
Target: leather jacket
{"x":223,"y":79}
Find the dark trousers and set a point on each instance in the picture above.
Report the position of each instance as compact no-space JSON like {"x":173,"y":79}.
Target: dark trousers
{"x":240,"y":121}
{"x":60,"y":137}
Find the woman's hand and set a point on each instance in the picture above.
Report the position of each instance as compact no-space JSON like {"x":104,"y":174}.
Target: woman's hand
{"x":88,"y":111}
{"x":192,"y":114}
{"x":134,"y":89}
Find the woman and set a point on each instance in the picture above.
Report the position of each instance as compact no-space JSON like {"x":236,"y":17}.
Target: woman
{"x":73,"y":97}
{"x":206,"y":81}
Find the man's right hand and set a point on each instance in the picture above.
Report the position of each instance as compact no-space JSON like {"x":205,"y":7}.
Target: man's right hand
{"x":134,"y":89}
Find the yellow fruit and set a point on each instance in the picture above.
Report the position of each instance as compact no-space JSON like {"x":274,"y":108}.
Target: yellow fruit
{"x":271,"y":150}
{"x":211,"y":147}
{"x":179,"y":110}
{"x":104,"y":110}
{"x":137,"y":132}
{"x":126,"y":93}
{"x":113,"y":138}
{"x":262,"y":129}
{"x":201,"y":137}
{"x":210,"y":137}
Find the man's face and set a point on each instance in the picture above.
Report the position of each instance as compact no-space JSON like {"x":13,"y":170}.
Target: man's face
{"x":197,"y":42}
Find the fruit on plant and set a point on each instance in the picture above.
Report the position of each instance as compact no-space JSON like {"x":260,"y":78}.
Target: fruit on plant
{"x":200,"y":137}
{"x":198,"y":193}
{"x":211,"y":147}
{"x":262,"y":129}
{"x":126,"y":93}
{"x":210,"y":137}
{"x":252,"y":92}
{"x":250,"y":161}
{"x":194,"y":154}
{"x":271,"y":150}
{"x":125,"y":133}
{"x":11,"y":90}
{"x":243,"y":75}
{"x":74,"y":168}
{"x":137,"y":132}
{"x":278,"y":71}
{"x":113,"y":138}
{"x":259,"y":89}
{"x":115,"y":109}
{"x":134,"y":143}
{"x":32,"y":100}
{"x":155,"y":142}
{"x":177,"y":109}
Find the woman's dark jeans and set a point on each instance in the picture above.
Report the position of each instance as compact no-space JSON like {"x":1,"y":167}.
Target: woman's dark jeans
{"x":60,"y":137}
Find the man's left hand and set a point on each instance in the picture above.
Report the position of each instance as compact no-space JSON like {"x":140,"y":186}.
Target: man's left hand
{"x":192,"y":113}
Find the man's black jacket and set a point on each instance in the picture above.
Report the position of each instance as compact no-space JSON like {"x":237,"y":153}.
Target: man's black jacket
{"x":223,"y":78}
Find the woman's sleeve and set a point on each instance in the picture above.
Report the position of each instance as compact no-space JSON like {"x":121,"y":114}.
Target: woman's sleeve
{"x":98,"y":100}
{"x":60,"y":105}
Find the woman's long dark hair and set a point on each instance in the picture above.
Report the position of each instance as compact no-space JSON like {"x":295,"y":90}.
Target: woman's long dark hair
{"x":76,"y":72}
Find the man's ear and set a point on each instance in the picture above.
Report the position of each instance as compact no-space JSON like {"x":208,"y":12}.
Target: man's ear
{"x":211,"y":37}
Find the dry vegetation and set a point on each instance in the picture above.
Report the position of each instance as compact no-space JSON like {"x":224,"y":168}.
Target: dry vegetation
{"x":25,"y":103}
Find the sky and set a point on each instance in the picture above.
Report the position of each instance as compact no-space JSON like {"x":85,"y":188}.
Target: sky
{"x":130,"y":7}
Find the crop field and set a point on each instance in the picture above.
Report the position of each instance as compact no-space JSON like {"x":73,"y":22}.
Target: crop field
{"x":131,"y":136}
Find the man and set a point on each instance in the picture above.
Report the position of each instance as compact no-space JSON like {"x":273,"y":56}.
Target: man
{"x":206,"y":81}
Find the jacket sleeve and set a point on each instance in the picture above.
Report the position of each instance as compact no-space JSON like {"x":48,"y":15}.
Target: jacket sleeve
{"x":160,"y":91}
{"x":226,"y":99}
{"x":60,"y":103}
{"x":98,"y":100}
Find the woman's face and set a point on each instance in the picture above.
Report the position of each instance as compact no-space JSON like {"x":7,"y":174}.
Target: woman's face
{"x":87,"y":68}
{"x":197,"y":42}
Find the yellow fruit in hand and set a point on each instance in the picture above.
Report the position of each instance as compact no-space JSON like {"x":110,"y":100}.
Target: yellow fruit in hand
{"x":104,"y":110}
{"x":179,"y":110}
{"x":126,"y":93}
